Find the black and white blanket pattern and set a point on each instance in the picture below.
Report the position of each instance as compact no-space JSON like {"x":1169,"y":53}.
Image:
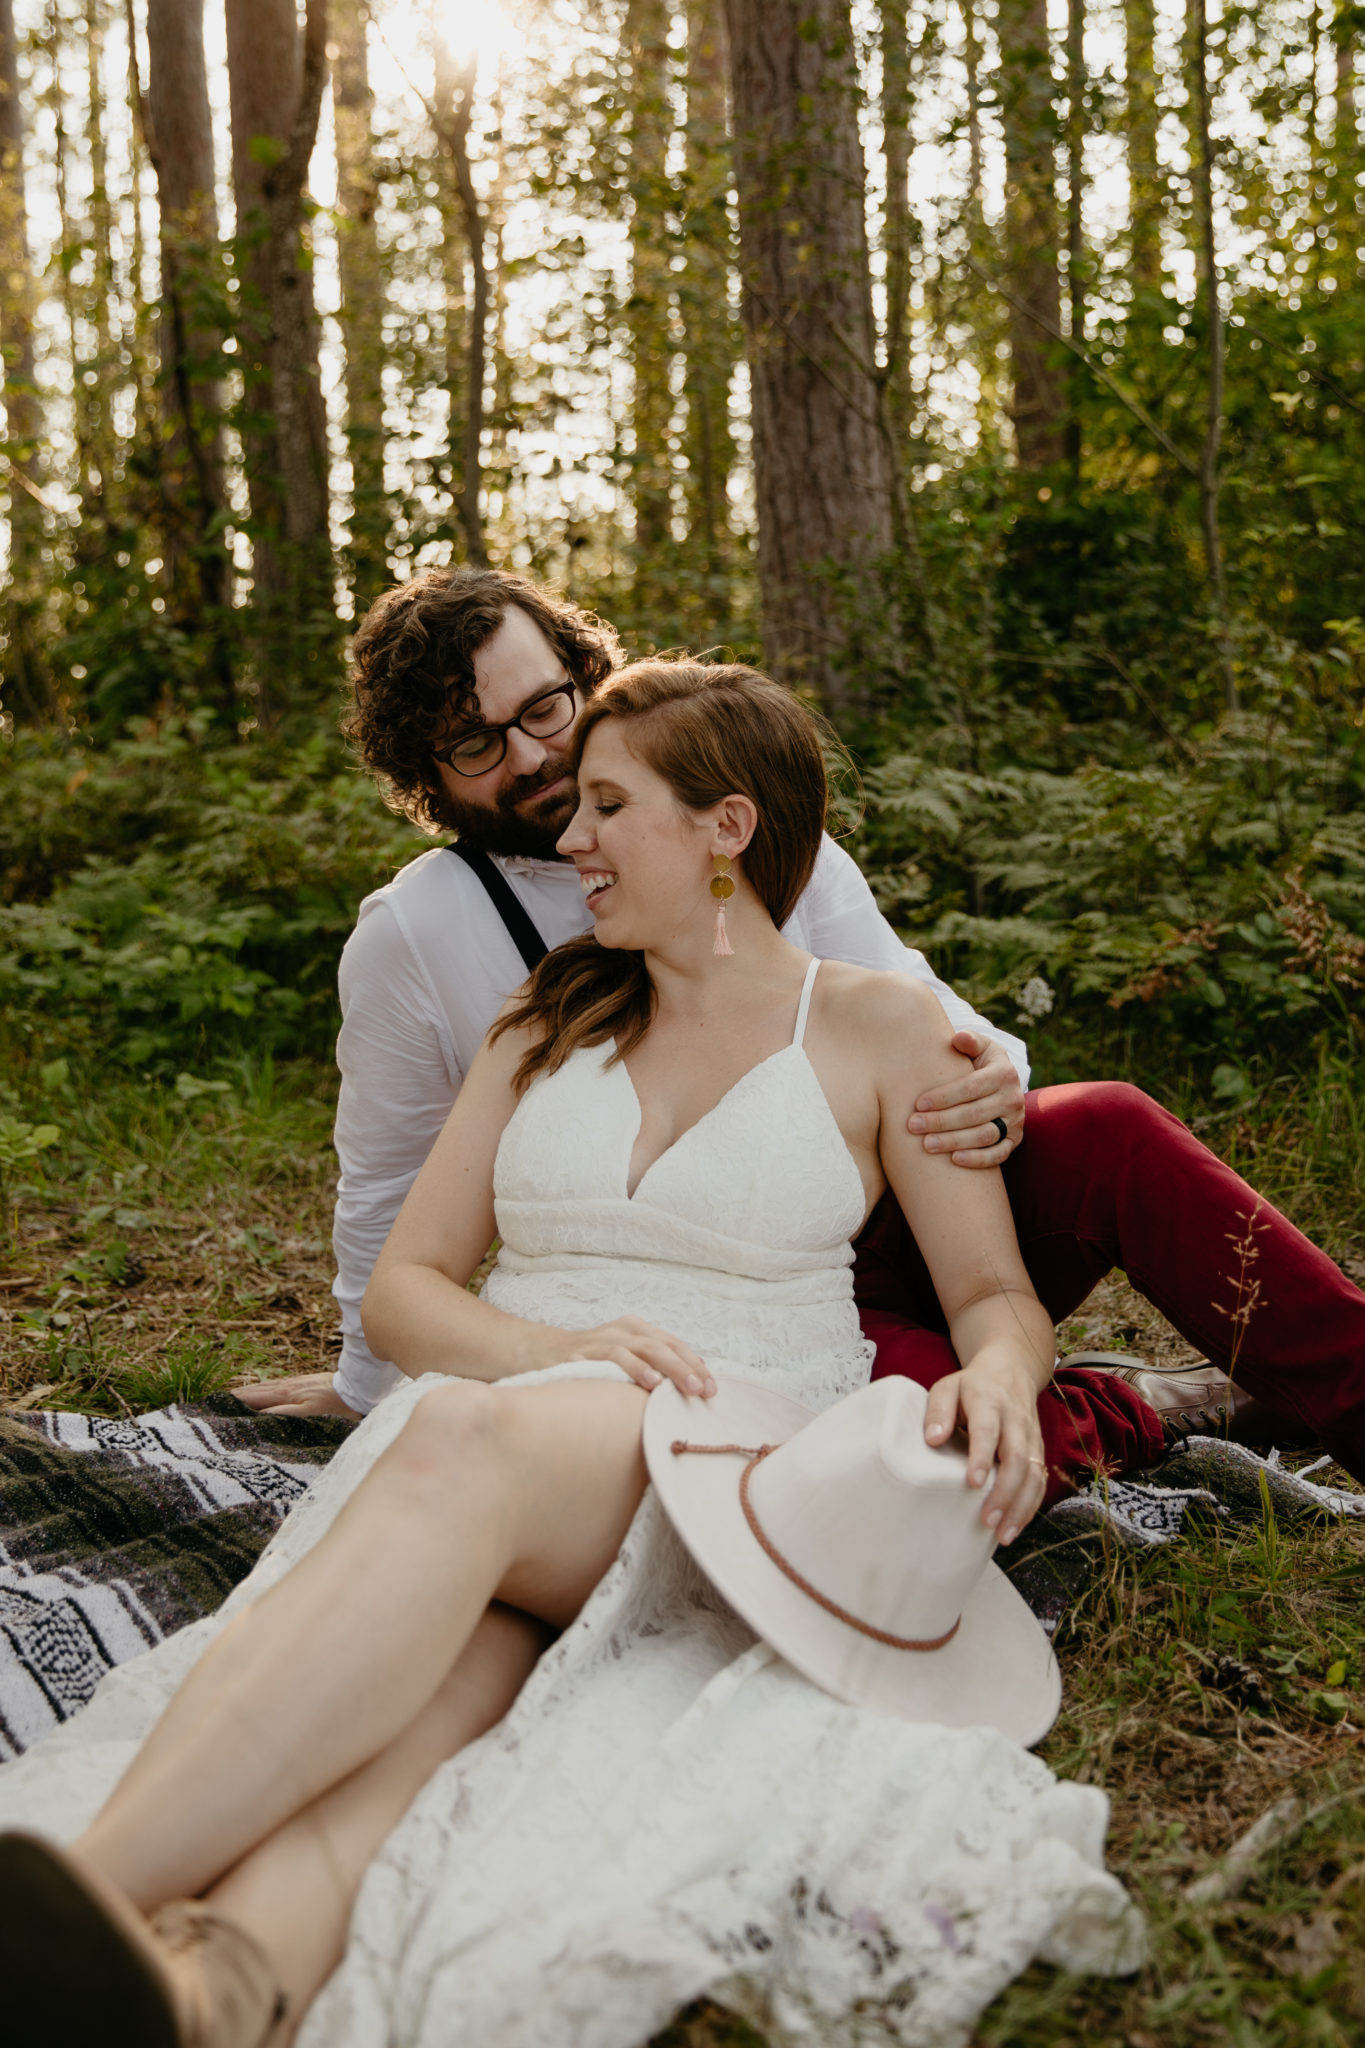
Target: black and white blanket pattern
{"x":1057,"y":1554}
{"x":115,"y":1533}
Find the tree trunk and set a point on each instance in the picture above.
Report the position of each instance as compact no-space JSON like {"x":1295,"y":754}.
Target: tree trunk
{"x":362,"y":301}
{"x":985,"y":313}
{"x":101,"y":290}
{"x":1039,"y":408}
{"x":276,"y":80}
{"x":24,"y":431}
{"x":451,"y":117}
{"x":23,"y":412}
{"x":711,"y":341}
{"x":895,"y":53}
{"x":88,"y":542}
{"x":495,"y":452}
{"x":1146,"y":186}
{"x":453,"y":267}
{"x":820,"y":460}
{"x":649,"y":310}
{"x":1075,"y":223}
{"x":1213,"y":318}
{"x":971,"y":57}
{"x":179,"y":135}
{"x":1344,"y":115}
{"x":896,"y":398}
{"x":138,"y":328}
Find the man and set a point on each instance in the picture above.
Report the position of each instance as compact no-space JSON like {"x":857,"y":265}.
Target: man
{"x":467,"y":688}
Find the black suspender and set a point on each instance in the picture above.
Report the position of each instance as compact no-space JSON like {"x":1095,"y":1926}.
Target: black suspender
{"x":506,"y":902}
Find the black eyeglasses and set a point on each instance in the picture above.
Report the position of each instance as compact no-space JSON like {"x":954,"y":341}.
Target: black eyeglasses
{"x":474,"y":753}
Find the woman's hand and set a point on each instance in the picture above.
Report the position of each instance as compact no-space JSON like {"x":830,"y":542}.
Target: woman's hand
{"x":647,"y":1355}
{"x":997,"y":1405}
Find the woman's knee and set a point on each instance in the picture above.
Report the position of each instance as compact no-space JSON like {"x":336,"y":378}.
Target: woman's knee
{"x":451,"y":1426}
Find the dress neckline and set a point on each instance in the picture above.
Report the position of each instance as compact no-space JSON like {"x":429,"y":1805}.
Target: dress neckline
{"x":795,"y":1044}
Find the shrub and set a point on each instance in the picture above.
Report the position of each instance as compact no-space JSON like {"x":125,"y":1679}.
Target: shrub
{"x":163,"y":900}
{"x":1216,"y":896}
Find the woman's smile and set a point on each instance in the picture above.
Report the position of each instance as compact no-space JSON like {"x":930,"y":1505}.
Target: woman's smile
{"x":595,"y":883}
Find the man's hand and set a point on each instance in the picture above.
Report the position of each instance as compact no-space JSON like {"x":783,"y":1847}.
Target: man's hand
{"x":302,"y":1393}
{"x":958,"y":1117}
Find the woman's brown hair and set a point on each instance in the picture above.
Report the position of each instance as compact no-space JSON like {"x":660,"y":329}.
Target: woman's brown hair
{"x":710,"y":732}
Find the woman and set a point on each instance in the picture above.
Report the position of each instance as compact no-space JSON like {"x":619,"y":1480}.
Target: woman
{"x":682,"y":1127}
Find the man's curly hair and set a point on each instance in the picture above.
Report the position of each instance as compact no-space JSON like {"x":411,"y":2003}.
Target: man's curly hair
{"x":413,"y":669}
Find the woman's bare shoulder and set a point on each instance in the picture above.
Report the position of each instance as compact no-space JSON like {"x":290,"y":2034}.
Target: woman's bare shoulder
{"x":878,"y":1004}
{"x":890,"y":1028}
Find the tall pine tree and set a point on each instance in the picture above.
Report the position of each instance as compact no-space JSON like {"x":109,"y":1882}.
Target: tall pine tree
{"x":820,"y":458}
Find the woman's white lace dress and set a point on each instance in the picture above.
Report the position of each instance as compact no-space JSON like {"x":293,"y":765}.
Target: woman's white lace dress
{"x":669,"y":1810}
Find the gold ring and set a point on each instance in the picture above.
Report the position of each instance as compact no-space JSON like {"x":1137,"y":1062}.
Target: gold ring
{"x":1041,"y":1463}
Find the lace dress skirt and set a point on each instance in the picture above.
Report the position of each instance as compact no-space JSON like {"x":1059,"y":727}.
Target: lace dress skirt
{"x":667,"y":1811}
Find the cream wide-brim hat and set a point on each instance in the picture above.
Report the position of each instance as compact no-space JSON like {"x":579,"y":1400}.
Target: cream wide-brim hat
{"x":997,"y":1670}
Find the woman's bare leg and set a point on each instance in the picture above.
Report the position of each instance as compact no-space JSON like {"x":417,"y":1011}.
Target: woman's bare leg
{"x":295,"y":1893}
{"x":520,"y":1494}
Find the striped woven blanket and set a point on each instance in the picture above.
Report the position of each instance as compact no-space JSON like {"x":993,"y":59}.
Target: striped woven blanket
{"x":114,"y":1533}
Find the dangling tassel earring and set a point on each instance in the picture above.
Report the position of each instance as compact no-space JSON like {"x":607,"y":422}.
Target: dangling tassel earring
{"x":722,"y":888}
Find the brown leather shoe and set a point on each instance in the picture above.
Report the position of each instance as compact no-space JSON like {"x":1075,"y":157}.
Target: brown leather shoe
{"x":1190,"y":1400}
{"x":225,"y":1989}
{"x":79,"y":1964}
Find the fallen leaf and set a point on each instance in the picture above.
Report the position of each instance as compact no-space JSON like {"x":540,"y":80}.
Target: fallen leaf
{"x":35,"y":1396}
{"x":1315,"y":1942}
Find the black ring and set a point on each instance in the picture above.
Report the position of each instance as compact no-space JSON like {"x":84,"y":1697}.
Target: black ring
{"x":1003,"y":1129}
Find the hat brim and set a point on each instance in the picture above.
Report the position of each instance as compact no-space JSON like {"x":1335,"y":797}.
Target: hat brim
{"x":997,"y":1671}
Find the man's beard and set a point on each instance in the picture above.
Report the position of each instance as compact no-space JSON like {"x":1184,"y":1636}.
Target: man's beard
{"x":500,"y":827}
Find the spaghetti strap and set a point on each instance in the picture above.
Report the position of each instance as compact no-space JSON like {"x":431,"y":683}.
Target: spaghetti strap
{"x":803,"y":1009}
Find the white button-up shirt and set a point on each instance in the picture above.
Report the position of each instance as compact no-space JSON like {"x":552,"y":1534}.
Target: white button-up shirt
{"x":423,"y":976}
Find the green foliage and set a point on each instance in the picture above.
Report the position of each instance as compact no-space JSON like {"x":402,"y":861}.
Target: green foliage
{"x":168,"y":900}
{"x":20,"y":1145}
{"x":1058,"y":802}
{"x":1210,"y":894}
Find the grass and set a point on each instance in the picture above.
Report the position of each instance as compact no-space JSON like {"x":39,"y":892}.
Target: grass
{"x":1205,"y":1685}
{"x":172,"y":1238}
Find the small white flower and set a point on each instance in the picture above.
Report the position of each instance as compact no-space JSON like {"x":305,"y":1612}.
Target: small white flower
{"x":1035,"y":1000}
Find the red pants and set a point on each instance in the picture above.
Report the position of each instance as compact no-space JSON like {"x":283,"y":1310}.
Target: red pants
{"x":1105,"y":1177}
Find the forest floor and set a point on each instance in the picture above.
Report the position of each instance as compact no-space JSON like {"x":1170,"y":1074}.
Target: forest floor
{"x":176,"y":1241}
